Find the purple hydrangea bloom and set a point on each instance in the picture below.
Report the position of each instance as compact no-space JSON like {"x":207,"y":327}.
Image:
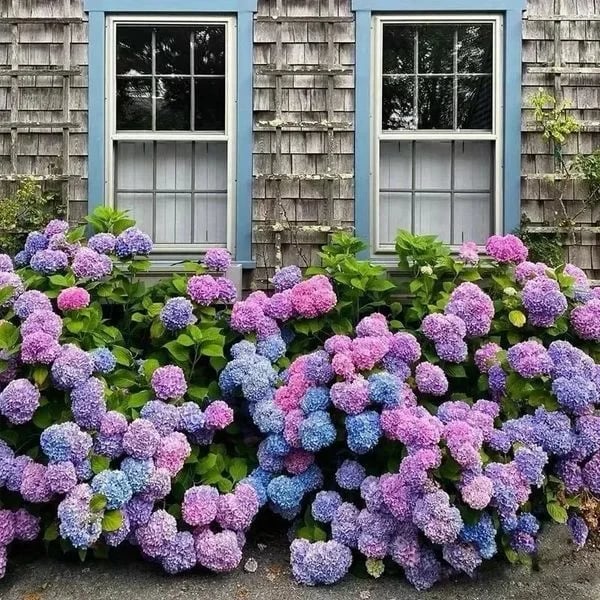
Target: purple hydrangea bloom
{"x":218,"y":552}
{"x":585,"y":320}
{"x":55,"y":227}
{"x":506,"y":249}
{"x":575,"y":394}
{"x":217,"y":259}
{"x":177,"y":313}
{"x":6,"y":264}
{"x":529,"y":359}
{"x":44,"y":321}
{"x":133,"y":242}
{"x":471,"y":304}
{"x":61,"y":477}
{"x":180,"y":553}
{"x":88,"y":404}
{"x":141,"y":439}
{"x":319,"y":563}
{"x":168,"y":382}
{"x":155,"y":536}
{"x":72,"y":367}
{"x":19,"y":401}
{"x":31,"y":301}
{"x":14,"y":281}
{"x":579,"y":530}
{"x":431,"y":379}
{"x":48,"y":262}
{"x":325,"y":505}
{"x":350,"y":475}
{"x":286,"y":278}
{"x":543,"y":301}
{"x":35,"y":242}
{"x":165,"y":417}
{"x":40,"y":348}
{"x":437,"y":518}
{"x":103,"y":243}
{"x":203,"y":289}
{"x":89,"y":264}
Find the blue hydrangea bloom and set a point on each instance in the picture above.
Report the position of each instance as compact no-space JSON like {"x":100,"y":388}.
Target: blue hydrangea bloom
{"x":363,"y":431}
{"x":315,"y":398}
{"x":114,"y":486}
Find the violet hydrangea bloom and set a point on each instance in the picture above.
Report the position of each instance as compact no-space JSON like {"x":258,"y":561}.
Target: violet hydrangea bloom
{"x":6,"y":264}
{"x":133,"y":242}
{"x":177,"y":313}
{"x":29,"y":302}
{"x":529,"y":359}
{"x":585,"y":320}
{"x":203,"y":289}
{"x":48,"y":262}
{"x":286,"y":278}
{"x":89,"y":264}
{"x":72,"y":367}
{"x":319,"y":563}
{"x":168,"y":382}
{"x":18,"y":401}
{"x":471,"y":304}
{"x":103,"y":243}
{"x":431,"y":379}
{"x":543,"y":301}
{"x":13,"y":281}
{"x":44,"y":321}
{"x":217,"y":259}
{"x":527,"y":271}
{"x":469,"y":253}
{"x":39,"y":347}
{"x":56,"y":226}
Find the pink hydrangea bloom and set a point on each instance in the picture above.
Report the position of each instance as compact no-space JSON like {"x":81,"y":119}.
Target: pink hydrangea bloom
{"x":172,"y":452}
{"x":469,"y":253}
{"x":313,"y":297}
{"x":73,"y":298}
{"x":218,"y":415}
{"x":199,"y":506}
{"x":506,"y":249}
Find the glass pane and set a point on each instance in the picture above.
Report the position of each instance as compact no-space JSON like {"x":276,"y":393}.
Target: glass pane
{"x":398,"y":49}
{"x":173,"y":104}
{"x":472,"y":219}
{"x":173,"y":50}
{"x":475,"y":103}
{"x":174,"y":166}
{"x":395,"y":166}
{"x":472,"y":165}
{"x":395,"y":212}
{"x":210,"y":167}
{"x":173,"y":219}
{"x":432,"y":215}
{"x":436,"y":101}
{"x":139,"y":207}
{"x":209,"y":50}
{"x":210,"y":104}
{"x":433,"y":163}
{"x":134,"y":165}
{"x":134,"y":50}
{"x":398,"y":103}
{"x":134,"y":104}
{"x":210,"y":218}
{"x":475,"y":48}
{"x":436,"y":48}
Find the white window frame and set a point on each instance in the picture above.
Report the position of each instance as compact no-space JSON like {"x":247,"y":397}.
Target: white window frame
{"x":228,"y":135}
{"x":380,"y":135}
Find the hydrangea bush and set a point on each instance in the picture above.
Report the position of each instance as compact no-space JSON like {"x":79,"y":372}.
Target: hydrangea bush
{"x":432,"y":435}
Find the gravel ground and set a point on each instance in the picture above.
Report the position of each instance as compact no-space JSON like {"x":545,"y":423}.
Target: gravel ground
{"x":563,"y":574}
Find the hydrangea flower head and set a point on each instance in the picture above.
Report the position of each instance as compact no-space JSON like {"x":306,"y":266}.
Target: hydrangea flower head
{"x":73,"y":298}
{"x":469,"y":253}
{"x":286,"y":278}
{"x":103,"y":243}
{"x":29,"y":302}
{"x":19,"y":400}
{"x":89,"y":264}
{"x":506,"y":249}
{"x":203,"y":289}
{"x":133,"y":242}
{"x":217,"y":259}
{"x":168,"y":382}
{"x":48,"y":261}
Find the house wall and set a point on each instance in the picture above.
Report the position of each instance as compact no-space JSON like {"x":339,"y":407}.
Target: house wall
{"x":303,"y":120}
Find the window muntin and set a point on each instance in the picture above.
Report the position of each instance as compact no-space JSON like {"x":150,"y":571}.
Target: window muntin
{"x":437,"y":152}
{"x":171,"y":122}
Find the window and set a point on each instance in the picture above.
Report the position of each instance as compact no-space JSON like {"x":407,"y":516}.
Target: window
{"x":437,"y":123}
{"x":171,"y":119}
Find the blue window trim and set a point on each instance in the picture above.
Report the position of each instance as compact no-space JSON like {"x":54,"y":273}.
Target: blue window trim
{"x":512,"y":11}
{"x":244,"y":11}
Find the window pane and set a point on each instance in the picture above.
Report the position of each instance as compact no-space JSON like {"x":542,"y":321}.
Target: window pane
{"x":173,"y":219}
{"x":210,"y":104}
{"x":433,"y":165}
{"x":173,"y":50}
{"x":398,"y":103}
{"x":210,"y":218}
{"x":209,"y":50}
{"x":472,"y":219}
{"x":140,"y":208}
{"x":398,"y":49}
{"x":472,"y":165}
{"x":210,"y":169}
{"x":436,"y":48}
{"x":395,"y":212}
{"x":475,"y":48}
{"x":475,"y":103}
{"x":134,"y":164}
{"x":134,"y":104}
{"x":436,"y":102}
{"x":432,"y":215}
{"x":134,"y":50}
{"x":395,"y":166}
{"x":173,"y":104}
{"x":174,"y":166}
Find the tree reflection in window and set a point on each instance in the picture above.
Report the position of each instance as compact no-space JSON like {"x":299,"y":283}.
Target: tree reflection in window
{"x":437,"y":76}
{"x":171,"y":78}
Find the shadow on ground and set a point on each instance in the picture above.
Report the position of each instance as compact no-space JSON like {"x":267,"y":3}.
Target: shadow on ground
{"x":563,"y":574}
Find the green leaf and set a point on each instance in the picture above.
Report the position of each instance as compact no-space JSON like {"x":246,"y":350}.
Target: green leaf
{"x":97,"y":503}
{"x":319,"y":535}
{"x":43,"y":417}
{"x":238,"y":469}
{"x":39,"y":375}
{"x":99,"y":463}
{"x":557,"y":512}
{"x":380,"y":285}
{"x":60,"y":281}
{"x":112,"y":520}
{"x":212,"y":350}
{"x":177,"y":351}
{"x":225,"y":486}
{"x":197,"y":392}
{"x":139,"y":399}
{"x":206,"y":463}
{"x":456,"y":371}
{"x":517,"y":318}
{"x":51,"y":532}
{"x":9,"y":335}
{"x":185,"y":340}
{"x":123,"y":356}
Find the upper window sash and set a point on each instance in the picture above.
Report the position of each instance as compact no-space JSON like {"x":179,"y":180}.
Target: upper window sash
{"x":438,"y":19}
{"x":227,"y":133}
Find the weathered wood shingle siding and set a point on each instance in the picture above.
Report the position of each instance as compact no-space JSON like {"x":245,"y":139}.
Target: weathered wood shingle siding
{"x":313,"y":163}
